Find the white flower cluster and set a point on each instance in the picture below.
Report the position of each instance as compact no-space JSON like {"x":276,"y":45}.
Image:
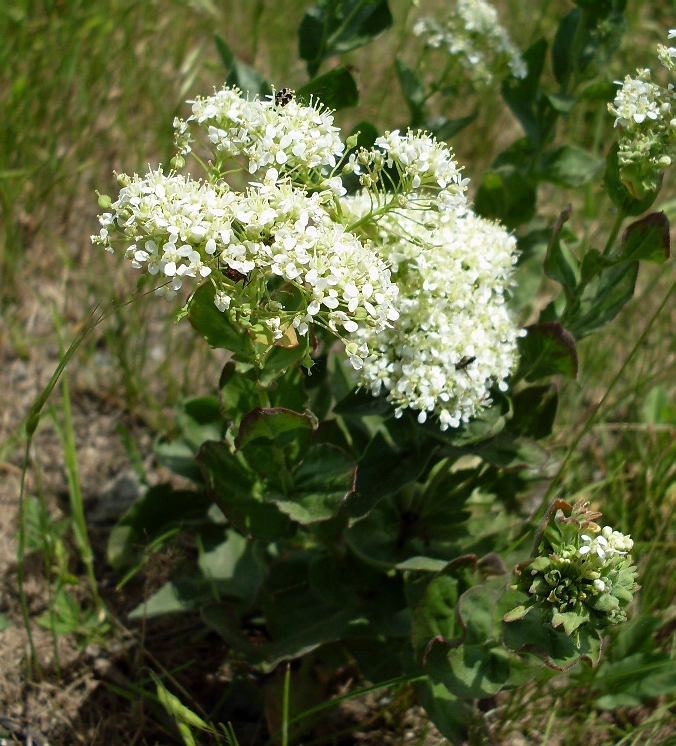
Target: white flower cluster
{"x":607,"y":543}
{"x":285,"y":135}
{"x":646,"y":116}
{"x":667,"y":55}
{"x":410,"y":280}
{"x":426,"y":166}
{"x":455,"y":336}
{"x":472,"y":35}
{"x":637,"y":100}
{"x":179,"y":228}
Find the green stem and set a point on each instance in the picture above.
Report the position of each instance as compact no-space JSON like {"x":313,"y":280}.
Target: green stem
{"x":371,"y":215}
{"x":592,"y":416}
{"x":285,"y":705}
{"x":619,"y":219}
{"x":20,"y":549}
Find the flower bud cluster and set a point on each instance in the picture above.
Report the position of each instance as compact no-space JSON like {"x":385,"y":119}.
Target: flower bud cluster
{"x":473,"y":38}
{"x":645,"y":113}
{"x":582,"y":573}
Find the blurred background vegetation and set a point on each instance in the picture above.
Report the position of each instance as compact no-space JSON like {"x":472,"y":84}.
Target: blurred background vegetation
{"x":88,"y":87}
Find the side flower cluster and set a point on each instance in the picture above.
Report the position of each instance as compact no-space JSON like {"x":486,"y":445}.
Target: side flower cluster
{"x":582,"y":574}
{"x":274,"y":132}
{"x":473,"y":37}
{"x":645,"y":115}
{"x":455,"y":337}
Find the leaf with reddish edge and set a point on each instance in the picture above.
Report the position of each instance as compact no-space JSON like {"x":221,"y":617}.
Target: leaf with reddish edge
{"x":646,"y":239}
{"x":546,"y":350}
{"x":323,"y":482}
{"x":271,"y":423}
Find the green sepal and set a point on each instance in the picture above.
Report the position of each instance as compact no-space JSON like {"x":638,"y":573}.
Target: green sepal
{"x":618,"y":191}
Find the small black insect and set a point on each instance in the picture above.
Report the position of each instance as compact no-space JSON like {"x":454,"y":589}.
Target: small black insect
{"x":284,"y":97}
{"x":464,"y":362}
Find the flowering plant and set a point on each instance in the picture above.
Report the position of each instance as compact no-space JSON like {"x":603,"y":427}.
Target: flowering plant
{"x":644,"y":113}
{"x":381,"y":397}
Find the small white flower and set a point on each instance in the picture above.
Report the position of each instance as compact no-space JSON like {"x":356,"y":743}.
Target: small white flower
{"x":222,"y":301}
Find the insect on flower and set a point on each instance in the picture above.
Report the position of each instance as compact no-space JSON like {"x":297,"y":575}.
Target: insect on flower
{"x":283,"y":97}
{"x":464,"y":362}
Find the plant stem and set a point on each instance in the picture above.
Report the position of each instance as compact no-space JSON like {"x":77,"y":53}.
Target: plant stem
{"x":592,"y":416}
{"x":285,"y":705}
{"x":619,"y":219}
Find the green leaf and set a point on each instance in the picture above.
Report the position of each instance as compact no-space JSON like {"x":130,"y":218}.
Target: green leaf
{"x":593,"y":263}
{"x":199,"y":419}
{"x":224,"y":52}
{"x":646,"y":239}
{"x":383,"y":470}
{"x":444,"y":129}
{"x":450,"y":714}
{"x":322,"y":483}
{"x":547,"y":349}
{"x":510,"y":453}
{"x":337,"y":26}
{"x":246,"y":78}
{"x":151,"y":516}
{"x":216,"y":326}
{"x":279,"y":359}
{"x":238,"y":392}
{"x":532,"y":633}
{"x":179,"y":595}
{"x":271,"y":423}
{"x":236,"y":490}
{"x":521,"y":96}
{"x":435,"y":614}
{"x":618,"y":192}
{"x":534,"y":411}
{"x":562,"y":104}
{"x":475,"y":664}
{"x":562,"y":50}
{"x":360,"y":403}
{"x":413,"y":90}
{"x":568,"y":166}
{"x":506,"y":195}
{"x":336,"y":89}
{"x":486,"y":424}
{"x":560,"y":264}
{"x":635,"y":680}
{"x":233,"y":565}
{"x":606,"y":297}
